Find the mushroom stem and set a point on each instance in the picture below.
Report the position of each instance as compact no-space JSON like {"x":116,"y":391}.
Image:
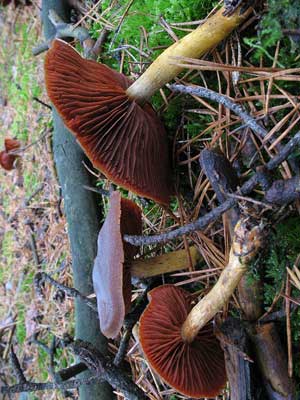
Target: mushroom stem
{"x":215,"y":299}
{"x":164,"y":263}
{"x":194,"y":45}
{"x":246,"y":242}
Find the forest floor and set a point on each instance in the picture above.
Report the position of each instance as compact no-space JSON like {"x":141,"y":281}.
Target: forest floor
{"x":33,"y":231}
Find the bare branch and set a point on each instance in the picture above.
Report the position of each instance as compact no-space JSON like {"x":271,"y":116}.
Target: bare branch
{"x":102,"y":366}
{"x":62,"y":30}
{"x":17,"y":367}
{"x":41,"y":277}
{"x":34,"y":387}
{"x":202,"y":222}
{"x":225,"y":101}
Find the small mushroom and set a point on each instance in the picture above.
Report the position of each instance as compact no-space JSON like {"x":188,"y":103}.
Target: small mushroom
{"x":195,"y":369}
{"x":7,"y":156}
{"x":114,"y":265}
{"x":111,"y":273}
{"x":173,"y":332}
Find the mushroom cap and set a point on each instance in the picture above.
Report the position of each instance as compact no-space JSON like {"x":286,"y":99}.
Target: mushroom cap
{"x":124,"y":140}
{"x":194,"y":369}
{"x":6,"y":159}
{"x":111,"y":273}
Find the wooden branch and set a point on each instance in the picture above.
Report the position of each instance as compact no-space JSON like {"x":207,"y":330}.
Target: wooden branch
{"x":284,"y":191}
{"x":235,"y":342}
{"x":17,"y":367}
{"x":101,"y":366}
{"x":83,"y":219}
{"x":41,"y":277}
{"x":202,"y":222}
{"x":36,"y":386}
{"x":227,"y":102}
{"x":272,"y":361}
{"x":62,"y":30}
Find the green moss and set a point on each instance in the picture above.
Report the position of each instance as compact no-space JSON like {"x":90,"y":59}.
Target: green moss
{"x":284,"y":249}
{"x":146,"y":14}
{"x":19,"y":80}
{"x":21,"y":329}
{"x":43,"y":360}
{"x":7,"y":244}
{"x":281,"y":14}
{"x":7,"y":252}
{"x":31,"y":182}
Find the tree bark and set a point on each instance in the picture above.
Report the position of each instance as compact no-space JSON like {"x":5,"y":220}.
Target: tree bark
{"x":272,"y":361}
{"x":83,"y":219}
{"x":245,"y":382}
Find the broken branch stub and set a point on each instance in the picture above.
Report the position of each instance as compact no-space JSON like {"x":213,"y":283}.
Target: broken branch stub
{"x":246,"y":242}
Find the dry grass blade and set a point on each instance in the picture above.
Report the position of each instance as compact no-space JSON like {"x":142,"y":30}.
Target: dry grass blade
{"x":194,"y":63}
{"x":294,"y":276}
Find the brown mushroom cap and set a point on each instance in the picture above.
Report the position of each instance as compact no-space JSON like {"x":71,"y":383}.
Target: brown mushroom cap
{"x":194,"y":369}
{"x":124,"y":140}
{"x":6,"y":159}
{"x":111,"y":273}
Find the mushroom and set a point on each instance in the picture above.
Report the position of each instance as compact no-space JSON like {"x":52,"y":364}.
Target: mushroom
{"x":114,"y":264}
{"x":195,"y":369}
{"x":111,"y":272}
{"x":7,"y":156}
{"x":125,"y":141}
{"x":111,"y":119}
{"x":171,"y":329}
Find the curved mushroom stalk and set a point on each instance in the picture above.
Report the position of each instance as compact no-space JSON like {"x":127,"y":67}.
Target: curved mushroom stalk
{"x":246,"y":243}
{"x":194,"y":45}
{"x":195,"y":369}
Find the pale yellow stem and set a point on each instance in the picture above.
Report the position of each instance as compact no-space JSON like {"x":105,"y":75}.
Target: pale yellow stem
{"x":194,"y":45}
{"x":165,"y":263}
{"x":245,"y":244}
{"x":213,"y":302}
